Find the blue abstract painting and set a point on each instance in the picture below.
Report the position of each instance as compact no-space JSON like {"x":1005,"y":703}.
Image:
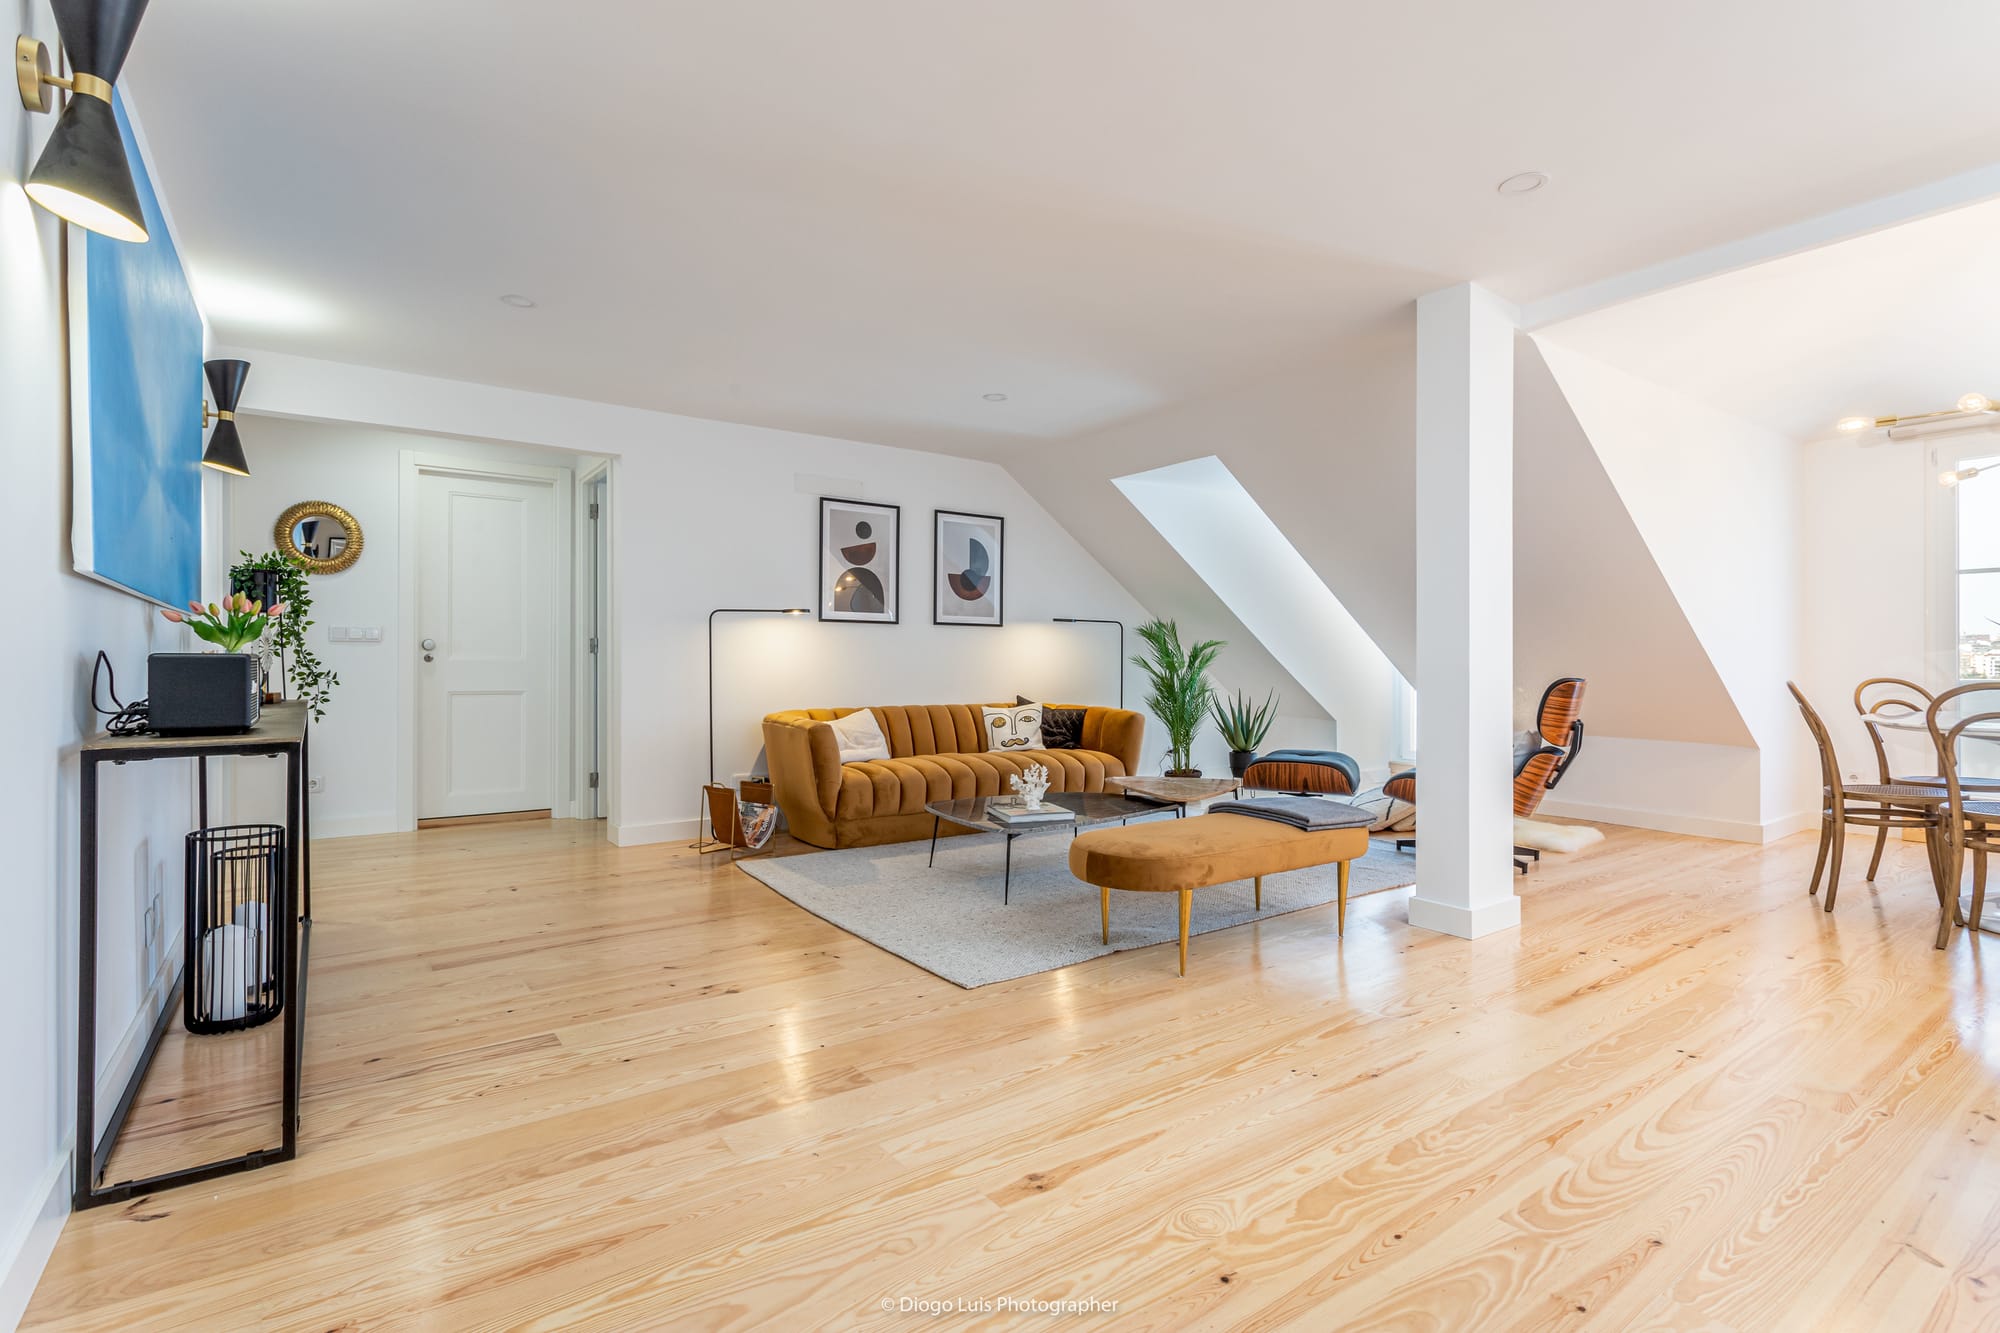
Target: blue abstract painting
{"x":135,"y":406}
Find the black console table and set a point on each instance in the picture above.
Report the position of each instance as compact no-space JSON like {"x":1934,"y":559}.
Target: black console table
{"x":282,"y":730}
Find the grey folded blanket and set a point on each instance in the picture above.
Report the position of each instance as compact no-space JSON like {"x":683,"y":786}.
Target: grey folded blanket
{"x":1311,"y":813}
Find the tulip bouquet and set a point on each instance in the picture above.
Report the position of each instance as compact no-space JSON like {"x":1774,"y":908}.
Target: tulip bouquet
{"x":232,"y":626}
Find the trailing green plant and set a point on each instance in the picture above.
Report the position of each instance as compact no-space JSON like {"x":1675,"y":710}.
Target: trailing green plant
{"x":311,"y":682}
{"x":1182,"y":693}
{"x":1242,"y":725}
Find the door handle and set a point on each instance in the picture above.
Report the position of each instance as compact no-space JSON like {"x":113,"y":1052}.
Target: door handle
{"x":429,"y":646}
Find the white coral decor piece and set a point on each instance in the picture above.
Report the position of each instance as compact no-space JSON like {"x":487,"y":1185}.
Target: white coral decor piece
{"x":1030,"y":785}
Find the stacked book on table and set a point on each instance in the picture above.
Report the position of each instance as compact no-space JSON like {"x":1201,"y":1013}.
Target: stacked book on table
{"x":1011,"y":811}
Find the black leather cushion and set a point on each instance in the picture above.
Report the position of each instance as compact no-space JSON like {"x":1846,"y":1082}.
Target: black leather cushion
{"x":1062,"y":728}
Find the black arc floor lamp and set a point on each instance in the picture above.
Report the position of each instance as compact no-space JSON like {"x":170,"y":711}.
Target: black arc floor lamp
{"x":1087,"y":620}
{"x":728,"y":611}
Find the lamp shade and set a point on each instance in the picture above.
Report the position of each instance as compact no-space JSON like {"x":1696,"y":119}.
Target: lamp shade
{"x":83,"y":174}
{"x":225,"y":447}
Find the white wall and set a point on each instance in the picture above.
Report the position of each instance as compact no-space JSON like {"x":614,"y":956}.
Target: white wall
{"x":1719,"y":502}
{"x":1227,"y":538}
{"x":358,"y":468}
{"x":703,"y":514}
{"x":1869,"y":510}
{"x":61,"y":622}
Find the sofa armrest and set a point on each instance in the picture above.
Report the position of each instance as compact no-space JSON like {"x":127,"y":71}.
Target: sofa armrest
{"x":1118,"y":732}
{"x":805,"y":773}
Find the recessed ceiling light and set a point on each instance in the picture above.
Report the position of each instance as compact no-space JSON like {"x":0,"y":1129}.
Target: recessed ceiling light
{"x":518,"y":301}
{"x":1524,"y":182}
{"x":995,"y":397}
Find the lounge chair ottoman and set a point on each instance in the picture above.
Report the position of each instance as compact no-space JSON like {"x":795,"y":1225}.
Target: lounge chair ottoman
{"x":1182,"y":855}
{"x":1304,"y":772}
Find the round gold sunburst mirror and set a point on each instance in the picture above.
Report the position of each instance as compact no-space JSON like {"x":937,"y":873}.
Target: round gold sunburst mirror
{"x":323,"y":537}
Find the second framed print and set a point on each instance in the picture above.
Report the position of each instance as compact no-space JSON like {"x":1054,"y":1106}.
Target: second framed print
{"x":968,"y":569}
{"x":860,"y":557}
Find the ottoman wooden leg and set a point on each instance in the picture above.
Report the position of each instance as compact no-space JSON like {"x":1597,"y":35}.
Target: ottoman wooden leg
{"x":1340,"y":917}
{"x":1187,"y":906}
{"x":1104,"y":905}
{"x":1260,"y":893}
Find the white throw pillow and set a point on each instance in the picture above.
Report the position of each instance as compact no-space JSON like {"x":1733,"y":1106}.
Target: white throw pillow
{"x":1014,"y":728}
{"x":860,"y":737}
{"x":1390,"y":814}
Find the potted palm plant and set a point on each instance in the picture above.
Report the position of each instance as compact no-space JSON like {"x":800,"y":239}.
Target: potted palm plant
{"x":1243,"y":726}
{"x":1182,"y":694}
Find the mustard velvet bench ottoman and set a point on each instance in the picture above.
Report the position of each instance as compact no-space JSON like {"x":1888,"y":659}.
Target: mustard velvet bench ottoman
{"x":1182,"y":855}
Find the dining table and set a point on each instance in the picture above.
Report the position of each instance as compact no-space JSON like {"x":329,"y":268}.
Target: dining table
{"x":1975,"y":785}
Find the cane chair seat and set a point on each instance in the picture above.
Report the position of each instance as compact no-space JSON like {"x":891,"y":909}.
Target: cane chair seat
{"x":1882,"y":792}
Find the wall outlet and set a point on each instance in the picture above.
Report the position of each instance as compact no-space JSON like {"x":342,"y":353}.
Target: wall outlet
{"x":315,"y":784}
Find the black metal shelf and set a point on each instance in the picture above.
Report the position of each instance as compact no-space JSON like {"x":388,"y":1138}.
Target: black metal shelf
{"x":281,"y":731}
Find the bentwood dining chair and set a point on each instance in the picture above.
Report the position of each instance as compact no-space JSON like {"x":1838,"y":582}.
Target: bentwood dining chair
{"x":1883,"y":805}
{"x":1970,"y":825}
{"x":1889,"y":696}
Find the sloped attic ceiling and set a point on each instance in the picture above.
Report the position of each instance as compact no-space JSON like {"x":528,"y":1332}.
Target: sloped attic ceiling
{"x":1589,"y":599}
{"x":1326,"y":449}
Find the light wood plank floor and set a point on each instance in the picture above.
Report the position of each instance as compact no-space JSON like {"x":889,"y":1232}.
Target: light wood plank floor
{"x":556,"y":1084}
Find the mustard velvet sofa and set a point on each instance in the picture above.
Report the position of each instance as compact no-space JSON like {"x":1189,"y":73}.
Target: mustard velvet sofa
{"x":937,"y":752}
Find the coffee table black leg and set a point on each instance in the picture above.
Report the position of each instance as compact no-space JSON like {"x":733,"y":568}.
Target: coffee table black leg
{"x":1007,"y":879}
{"x":935,"y":821}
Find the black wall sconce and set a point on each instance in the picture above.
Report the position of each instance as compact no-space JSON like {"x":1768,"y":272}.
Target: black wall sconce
{"x":225,"y":447}
{"x":83,"y":175}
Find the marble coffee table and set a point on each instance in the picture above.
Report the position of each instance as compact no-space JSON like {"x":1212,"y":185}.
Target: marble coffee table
{"x":1090,"y":809}
{"x":1178,"y":792}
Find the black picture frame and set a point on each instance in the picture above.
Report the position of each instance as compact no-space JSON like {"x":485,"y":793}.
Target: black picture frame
{"x":885,"y":565}
{"x":939,"y":576}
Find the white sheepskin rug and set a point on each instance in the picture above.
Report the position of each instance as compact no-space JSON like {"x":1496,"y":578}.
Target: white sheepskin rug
{"x":1544,"y":837}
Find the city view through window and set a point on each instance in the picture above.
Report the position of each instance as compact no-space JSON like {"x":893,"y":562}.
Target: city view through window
{"x":1979,"y":574}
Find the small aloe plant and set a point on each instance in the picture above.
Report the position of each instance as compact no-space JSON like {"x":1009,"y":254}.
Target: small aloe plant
{"x":1243,"y":725}
{"x":232,"y":625}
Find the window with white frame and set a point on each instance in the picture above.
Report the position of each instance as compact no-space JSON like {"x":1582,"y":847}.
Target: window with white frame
{"x":1971,"y":474}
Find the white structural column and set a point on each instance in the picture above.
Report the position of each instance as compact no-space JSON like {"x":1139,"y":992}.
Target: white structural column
{"x":1465,"y":613}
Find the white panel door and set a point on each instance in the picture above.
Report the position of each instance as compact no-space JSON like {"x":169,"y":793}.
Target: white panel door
{"x":486,"y":564}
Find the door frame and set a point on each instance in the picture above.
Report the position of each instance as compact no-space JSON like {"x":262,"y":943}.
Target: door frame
{"x":416,"y":464}
{"x":584,"y":721}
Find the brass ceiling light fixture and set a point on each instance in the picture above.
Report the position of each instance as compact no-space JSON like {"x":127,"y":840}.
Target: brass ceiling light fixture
{"x":225,"y":447}
{"x":83,"y":175}
{"x":1970,"y":406}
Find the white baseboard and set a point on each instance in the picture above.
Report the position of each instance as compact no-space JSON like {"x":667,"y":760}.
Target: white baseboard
{"x":356,"y":826}
{"x":1468,"y":923}
{"x":31,"y":1238}
{"x":639,"y":835}
{"x":1667,"y":821}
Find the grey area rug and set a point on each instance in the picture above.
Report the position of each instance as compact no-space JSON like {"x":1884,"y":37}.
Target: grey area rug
{"x":950,"y":921}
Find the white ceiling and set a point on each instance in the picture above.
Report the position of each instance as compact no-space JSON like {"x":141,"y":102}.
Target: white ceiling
{"x":858,"y":218}
{"x":1900,"y":321}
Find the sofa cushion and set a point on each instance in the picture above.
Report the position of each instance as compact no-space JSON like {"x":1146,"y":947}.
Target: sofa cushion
{"x":1013,"y":730}
{"x":860,"y":737}
{"x":904,"y":786}
{"x":1062,"y":728}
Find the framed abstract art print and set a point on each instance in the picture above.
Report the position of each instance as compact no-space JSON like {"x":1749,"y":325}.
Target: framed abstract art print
{"x":860,"y":559}
{"x":968,"y":571}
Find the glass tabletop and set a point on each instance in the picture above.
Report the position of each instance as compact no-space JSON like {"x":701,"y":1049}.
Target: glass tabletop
{"x":1089,"y":808}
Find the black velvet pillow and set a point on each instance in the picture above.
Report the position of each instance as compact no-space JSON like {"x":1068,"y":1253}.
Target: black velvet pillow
{"x":1062,"y":728}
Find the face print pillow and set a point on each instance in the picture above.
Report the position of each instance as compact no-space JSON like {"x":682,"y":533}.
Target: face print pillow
{"x":1013,"y":728}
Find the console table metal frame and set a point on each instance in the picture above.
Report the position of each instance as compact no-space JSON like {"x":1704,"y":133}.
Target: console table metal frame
{"x":281,"y":730}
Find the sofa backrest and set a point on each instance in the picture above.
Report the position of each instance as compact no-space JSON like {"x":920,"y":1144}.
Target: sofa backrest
{"x":920,"y":729}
